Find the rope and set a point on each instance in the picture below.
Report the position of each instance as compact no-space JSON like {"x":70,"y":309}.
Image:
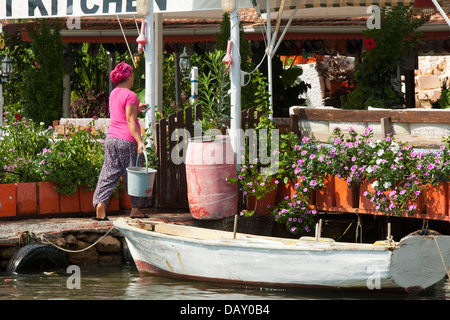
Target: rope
{"x":126,"y":41}
{"x":442,"y":258}
{"x":76,"y":251}
{"x":24,"y":238}
{"x":358,"y":230}
{"x":345,"y":230}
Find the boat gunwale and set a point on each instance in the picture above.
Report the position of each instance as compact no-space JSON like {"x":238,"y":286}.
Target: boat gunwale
{"x":294,"y":245}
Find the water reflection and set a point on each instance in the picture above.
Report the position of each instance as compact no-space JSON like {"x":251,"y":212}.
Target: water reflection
{"x":124,"y":282}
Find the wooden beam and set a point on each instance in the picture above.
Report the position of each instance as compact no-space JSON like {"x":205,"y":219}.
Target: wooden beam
{"x":396,"y":116}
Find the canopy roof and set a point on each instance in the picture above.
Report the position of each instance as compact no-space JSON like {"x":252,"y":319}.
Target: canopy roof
{"x":23,"y":9}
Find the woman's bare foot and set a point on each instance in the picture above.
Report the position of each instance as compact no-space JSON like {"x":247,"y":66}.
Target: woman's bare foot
{"x":136,"y":213}
{"x":101,"y":211}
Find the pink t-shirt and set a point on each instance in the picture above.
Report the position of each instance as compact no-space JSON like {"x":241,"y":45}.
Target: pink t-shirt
{"x":119,"y":99}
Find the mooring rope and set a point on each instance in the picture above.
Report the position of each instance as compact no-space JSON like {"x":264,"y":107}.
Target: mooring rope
{"x":76,"y":251}
{"x":442,"y":258}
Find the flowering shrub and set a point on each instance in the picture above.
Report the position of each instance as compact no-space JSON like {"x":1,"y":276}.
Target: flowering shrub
{"x":31,"y":154}
{"x":62,"y":163}
{"x":23,"y":140}
{"x":295,"y":214}
{"x":90,"y":105}
{"x":397,"y":173}
{"x":347,"y":158}
{"x":396,"y":181}
{"x":385,"y":49}
{"x":253,"y":180}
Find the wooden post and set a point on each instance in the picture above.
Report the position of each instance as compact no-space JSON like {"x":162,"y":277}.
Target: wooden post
{"x":293,"y":124}
{"x":386,"y":127}
{"x":411,"y":64}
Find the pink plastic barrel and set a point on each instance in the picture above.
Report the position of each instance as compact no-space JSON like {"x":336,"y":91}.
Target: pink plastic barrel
{"x":208,"y":164}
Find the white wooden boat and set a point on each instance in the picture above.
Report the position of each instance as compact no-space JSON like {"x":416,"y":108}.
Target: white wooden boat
{"x":412,"y":264}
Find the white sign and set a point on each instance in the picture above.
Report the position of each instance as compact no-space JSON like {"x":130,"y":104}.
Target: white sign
{"x":24,"y":9}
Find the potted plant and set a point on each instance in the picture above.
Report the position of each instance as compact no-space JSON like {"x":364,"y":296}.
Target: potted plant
{"x":214,"y":84}
{"x":61,"y":163}
{"x":337,"y":72}
{"x":19,"y":173}
{"x":258,"y":174}
{"x":395,"y":179}
{"x":346,"y":159}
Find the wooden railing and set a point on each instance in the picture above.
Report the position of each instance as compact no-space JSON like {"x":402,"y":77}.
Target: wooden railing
{"x":388,"y":120}
{"x":170,"y":185}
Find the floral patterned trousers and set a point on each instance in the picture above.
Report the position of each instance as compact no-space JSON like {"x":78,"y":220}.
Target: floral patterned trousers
{"x":119,"y":155}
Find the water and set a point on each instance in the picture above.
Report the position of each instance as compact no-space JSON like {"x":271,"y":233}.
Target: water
{"x":124,"y":282}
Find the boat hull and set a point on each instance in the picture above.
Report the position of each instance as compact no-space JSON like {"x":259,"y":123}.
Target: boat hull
{"x":267,"y":262}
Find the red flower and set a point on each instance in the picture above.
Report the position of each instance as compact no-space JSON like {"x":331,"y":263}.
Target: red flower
{"x":370,"y":44}
{"x":18,"y":116}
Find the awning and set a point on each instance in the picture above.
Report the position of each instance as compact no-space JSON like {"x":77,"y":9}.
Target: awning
{"x":276,"y":5}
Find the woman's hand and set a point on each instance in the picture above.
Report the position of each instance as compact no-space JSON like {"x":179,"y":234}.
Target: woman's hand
{"x":143,"y":107}
{"x":141,"y":147}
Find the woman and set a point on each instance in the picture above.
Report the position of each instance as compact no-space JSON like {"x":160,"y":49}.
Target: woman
{"x":123,"y":142}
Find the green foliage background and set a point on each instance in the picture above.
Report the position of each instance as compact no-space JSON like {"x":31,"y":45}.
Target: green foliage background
{"x":44,"y":90}
{"x":376,"y":70}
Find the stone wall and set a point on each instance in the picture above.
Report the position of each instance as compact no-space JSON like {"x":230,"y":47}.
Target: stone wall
{"x":109,"y":250}
{"x":432,"y":72}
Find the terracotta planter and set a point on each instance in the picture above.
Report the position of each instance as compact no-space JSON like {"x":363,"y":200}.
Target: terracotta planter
{"x":437,"y":199}
{"x":68,"y":204}
{"x":124,"y":199}
{"x":27,"y":200}
{"x":326,"y":196}
{"x":420,"y":203}
{"x":263,"y":205}
{"x":8,"y":200}
{"x":364,"y":202}
{"x":86,"y":200}
{"x":285,"y":190}
{"x":335,"y":85}
{"x":48,"y":198}
{"x":113,"y":204}
{"x":345,"y":197}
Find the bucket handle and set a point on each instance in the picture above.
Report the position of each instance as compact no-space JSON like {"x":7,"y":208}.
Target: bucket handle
{"x":144,"y":152}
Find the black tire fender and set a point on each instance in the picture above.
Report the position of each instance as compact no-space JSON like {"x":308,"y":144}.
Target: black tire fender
{"x":37,"y":258}
{"x":430,"y":232}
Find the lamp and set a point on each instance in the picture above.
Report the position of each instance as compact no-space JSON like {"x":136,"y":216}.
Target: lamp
{"x":141,"y":7}
{"x":7,"y":68}
{"x":185,"y":62}
{"x":228,"y":5}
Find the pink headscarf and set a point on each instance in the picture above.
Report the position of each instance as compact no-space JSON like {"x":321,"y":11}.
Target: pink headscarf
{"x":121,"y":72}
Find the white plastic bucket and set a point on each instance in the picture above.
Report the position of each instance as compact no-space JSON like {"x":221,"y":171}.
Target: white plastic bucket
{"x":140,"y":179}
